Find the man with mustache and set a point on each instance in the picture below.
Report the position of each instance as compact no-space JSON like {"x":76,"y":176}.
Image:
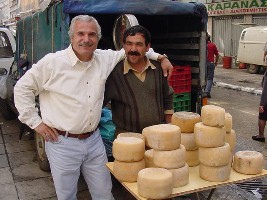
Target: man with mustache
{"x":139,"y":93}
{"x":70,"y":84}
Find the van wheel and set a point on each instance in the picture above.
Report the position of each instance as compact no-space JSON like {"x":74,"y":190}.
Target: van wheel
{"x":40,"y":151}
{"x":6,"y":111}
{"x":253,"y":69}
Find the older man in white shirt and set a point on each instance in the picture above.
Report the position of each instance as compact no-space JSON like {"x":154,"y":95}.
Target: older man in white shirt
{"x":70,"y":84}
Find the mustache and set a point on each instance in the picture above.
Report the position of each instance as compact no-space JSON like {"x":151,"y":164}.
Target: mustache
{"x":134,"y":53}
{"x":86,"y":44}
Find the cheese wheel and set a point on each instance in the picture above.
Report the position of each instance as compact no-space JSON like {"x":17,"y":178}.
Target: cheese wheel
{"x":127,"y":171}
{"x":149,"y":158}
{"x":215,"y":174}
{"x":162,"y":137}
{"x":191,"y":158}
{"x":131,"y":134}
{"x":169,"y":159}
{"x":207,"y":136}
{"x":180,"y":176}
{"x":189,"y":141}
{"x":128,"y":149}
{"x":185,"y":120}
{"x":154,"y":183}
{"x":228,"y":122}
{"x":213,"y":115}
{"x":215,"y":157}
{"x":248,"y":162}
{"x":230,"y":138}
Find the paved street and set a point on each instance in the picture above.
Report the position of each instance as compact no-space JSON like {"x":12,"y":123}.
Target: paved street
{"x":21,"y":178}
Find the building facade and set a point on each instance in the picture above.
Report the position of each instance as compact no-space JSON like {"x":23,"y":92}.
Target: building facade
{"x":227,"y":19}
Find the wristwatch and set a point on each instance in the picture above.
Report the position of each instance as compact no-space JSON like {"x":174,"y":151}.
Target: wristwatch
{"x":164,"y":56}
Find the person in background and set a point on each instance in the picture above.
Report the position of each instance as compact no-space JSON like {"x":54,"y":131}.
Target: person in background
{"x":139,"y":93}
{"x":212,"y":52}
{"x":263,"y":104}
{"x":70,"y":84}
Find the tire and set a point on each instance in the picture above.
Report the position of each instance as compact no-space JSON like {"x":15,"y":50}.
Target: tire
{"x":253,"y":69}
{"x":7,"y":113}
{"x":40,"y":152}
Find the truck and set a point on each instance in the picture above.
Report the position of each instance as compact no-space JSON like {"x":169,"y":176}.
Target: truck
{"x":250,"y":50}
{"x":177,"y":29}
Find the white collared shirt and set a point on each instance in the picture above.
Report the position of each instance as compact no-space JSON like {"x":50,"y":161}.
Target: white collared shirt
{"x":70,"y":94}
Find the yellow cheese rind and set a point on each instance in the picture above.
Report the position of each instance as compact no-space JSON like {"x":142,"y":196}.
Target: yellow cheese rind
{"x":215,"y":174}
{"x":128,"y":149}
{"x":185,"y":120}
{"x":180,"y":176}
{"x":207,"y":136}
{"x":149,"y":158}
{"x":230,"y":138}
{"x":131,"y":134}
{"x":213,"y":115}
{"x":228,"y":122}
{"x":127,"y":171}
{"x":248,"y":162}
{"x":163,"y":137}
{"x":216,"y":156}
{"x":155,"y":183}
{"x":189,"y":141}
{"x":170,"y":159}
{"x":191,"y":158}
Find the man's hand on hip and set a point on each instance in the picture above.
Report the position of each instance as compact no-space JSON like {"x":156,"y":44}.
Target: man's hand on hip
{"x":48,"y":133}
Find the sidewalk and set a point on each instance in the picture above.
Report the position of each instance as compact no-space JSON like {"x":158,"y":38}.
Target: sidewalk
{"x":238,"y":79}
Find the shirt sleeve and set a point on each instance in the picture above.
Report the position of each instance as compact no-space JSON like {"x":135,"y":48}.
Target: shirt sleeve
{"x":25,"y":91}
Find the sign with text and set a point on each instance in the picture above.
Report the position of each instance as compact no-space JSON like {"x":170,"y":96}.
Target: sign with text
{"x":237,"y":7}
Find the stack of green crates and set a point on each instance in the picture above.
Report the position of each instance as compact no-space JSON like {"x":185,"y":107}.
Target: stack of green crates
{"x":182,"y":102}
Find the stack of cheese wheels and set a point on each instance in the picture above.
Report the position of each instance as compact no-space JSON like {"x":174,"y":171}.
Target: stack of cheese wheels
{"x":129,"y":157}
{"x":248,"y":162}
{"x":230,"y":136}
{"x":167,"y":152}
{"x":186,"y":121}
{"x":214,"y":153}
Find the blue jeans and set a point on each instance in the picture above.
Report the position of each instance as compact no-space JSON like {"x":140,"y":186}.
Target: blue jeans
{"x":210,"y":75}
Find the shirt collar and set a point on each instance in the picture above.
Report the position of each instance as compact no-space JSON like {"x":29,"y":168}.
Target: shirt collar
{"x":128,"y":67}
{"x":73,"y":58}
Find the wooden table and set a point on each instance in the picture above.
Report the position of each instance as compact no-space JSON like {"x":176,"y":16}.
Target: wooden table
{"x":195,"y":184}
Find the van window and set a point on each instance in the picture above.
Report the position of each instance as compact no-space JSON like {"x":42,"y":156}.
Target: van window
{"x":243,"y":35}
{"x":5,"y":46}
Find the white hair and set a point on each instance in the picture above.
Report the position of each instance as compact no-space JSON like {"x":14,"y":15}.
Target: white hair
{"x":85,"y":18}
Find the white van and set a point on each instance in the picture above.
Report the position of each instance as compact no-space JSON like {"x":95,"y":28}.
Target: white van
{"x":251,"y":45}
{"x":7,"y":51}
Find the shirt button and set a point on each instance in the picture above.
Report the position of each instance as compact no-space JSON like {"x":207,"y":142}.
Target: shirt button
{"x":87,"y":83}
{"x":89,"y":96}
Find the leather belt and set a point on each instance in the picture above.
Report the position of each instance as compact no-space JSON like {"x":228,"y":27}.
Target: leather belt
{"x":81,"y":136}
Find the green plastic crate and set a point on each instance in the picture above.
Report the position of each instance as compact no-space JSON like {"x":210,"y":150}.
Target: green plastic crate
{"x":182,"y":102}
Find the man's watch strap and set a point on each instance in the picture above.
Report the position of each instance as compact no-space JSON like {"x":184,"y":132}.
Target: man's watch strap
{"x":162,"y":57}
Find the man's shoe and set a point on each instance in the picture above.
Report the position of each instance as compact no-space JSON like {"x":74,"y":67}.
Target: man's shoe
{"x":257,"y":138}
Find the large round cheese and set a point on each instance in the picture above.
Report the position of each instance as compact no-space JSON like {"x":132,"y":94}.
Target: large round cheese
{"x":185,"y":120}
{"x":128,"y":149}
{"x":215,"y":157}
{"x":228,"y":122}
{"x":155,"y":183}
{"x":131,"y":134}
{"x":149,"y":158}
{"x":248,"y":162}
{"x":215,"y":174}
{"x":208,"y":136}
{"x":162,"y":137}
{"x":230,"y":138}
{"x":191,"y":158}
{"x":180,"y":176}
{"x":169,"y":159}
{"x":189,"y":141}
{"x":127,"y":171}
{"x":213,"y":115}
